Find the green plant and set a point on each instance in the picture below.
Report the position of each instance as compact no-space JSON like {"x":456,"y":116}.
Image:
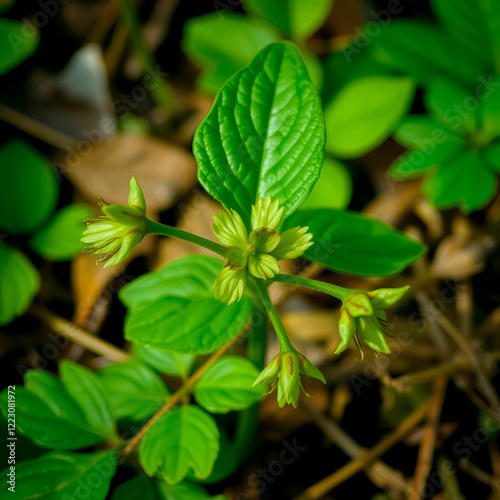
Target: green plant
{"x":260,"y":151}
{"x":28,"y":209}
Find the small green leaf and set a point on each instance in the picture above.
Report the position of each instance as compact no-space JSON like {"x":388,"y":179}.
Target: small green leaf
{"x":264,"y":134}
{"x":333,"y":188}
{"x":68,"y":414}
{"x":86,"y":390}
{"x":465,"y":182}
{"x":60,"y":238}
{"x":237,"y":42}
{"x":185,"y":438}
{"x":227,"y":385}
{"x":365,"y":113}
{"x":295,"y":18}
{"x":19,"y":283}
{"x":60,"y":476}
{"x":29,"y":188}
{"x":174,"y":308}
{"x":134,"y":390}
{"x":356,"y":244}
{"x":168,"y":362}
{"x":18,"y":41}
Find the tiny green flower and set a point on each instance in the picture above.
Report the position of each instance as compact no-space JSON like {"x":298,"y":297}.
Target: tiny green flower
{"x":256,"y":253}
{"x":285,"y":371}
{"x":362,"y":315}
{"x":114,"y":235}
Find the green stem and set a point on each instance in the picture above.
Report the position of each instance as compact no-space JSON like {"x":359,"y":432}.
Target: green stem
{"x":285,"y":344}
{"x":247,"y":420}
{"x":162,"y":229}
{"x":336,"y":291}
{"x":161,"y":92}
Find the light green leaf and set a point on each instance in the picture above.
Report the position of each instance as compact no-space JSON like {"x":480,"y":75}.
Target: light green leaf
{"x":353,"y":243}
{"x":238,"y":40}
{"x":264,"y":134}
{"x":29,"y":188}
{"x":434,"y":56}
{"x":226,"y":385}
{"x":61,"y":476}
{"x":174,"y":308}
{"x":60,"y":238}
{"x":295,"y":18}
{"x":365,"y":113}
{"x":18,"y":41}
{"x":134,"y":390}
{"x":19,"y":283}
{"x":333,"y":188}
{"x":185,"y":438}
{"x":168,"y":362}
{"x":465,"y":182}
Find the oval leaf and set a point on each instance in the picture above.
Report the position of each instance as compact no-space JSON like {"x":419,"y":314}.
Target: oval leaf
{"x":59,"y":475}
{"x":365,"y":113}
{"x":29,"y":188}
{"x":264,"y":134}
{"x":174,"y":308}
{"x":19,"y":283}
{"x":185,"y":438}
{"x":134,"y":390}
{"x":60,"y":238}
{"x":356,"y":244}
{"x":226,"y":385}
{"x":18,"y":41}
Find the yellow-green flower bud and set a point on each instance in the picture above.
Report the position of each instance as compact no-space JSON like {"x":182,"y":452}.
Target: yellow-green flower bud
{"x":284,"y":372}
{"x":362,"y":316}
{"x":113,"y":236}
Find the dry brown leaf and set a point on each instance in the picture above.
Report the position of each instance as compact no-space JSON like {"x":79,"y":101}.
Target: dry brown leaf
{"x":164,"y":171}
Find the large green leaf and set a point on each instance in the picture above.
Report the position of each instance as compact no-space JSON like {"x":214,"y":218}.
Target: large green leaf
{"x":333,"y":189}
{"x":28,"y":190}
{"x":168,"y":362}
{"x":134,"y":390}
{"x":60,"y":238}
{"x":434,"y":56}
{"x":365,"y":113}
{"x":52,"y":417}
{"x":19,"y":283}
{"x":138,"y":487}
{"x":474,"y":25}
{"x":465,"y":181}
{"x":357,"y":244}
{"x":227,"y":385}
{"x":264,"y":134}
{"x":18,"y":41}
{"x":174,"y":308}
{"x":62,"y":475}
{"x":238,"y":40}
{"x":295,"y":18}
{"x":184,"y":438}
